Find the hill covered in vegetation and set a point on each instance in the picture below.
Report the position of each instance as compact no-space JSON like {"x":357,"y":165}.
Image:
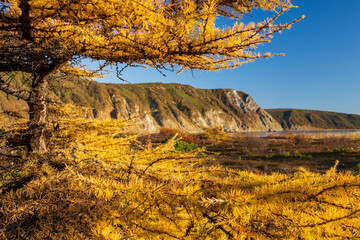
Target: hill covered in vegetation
{"x":182,"y":107}
{"x":157,"y":105}
{"x":295,"y":119}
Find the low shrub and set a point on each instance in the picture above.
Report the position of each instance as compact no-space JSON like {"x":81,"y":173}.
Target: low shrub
{"x":337,"y":142}
{"x":254,"y":144}
{"x":356,"y":170}
{"x":95,"y":186}
{"x":167,"y":133}
{"x":297,"y":154}
{"x":340,"y":150}
{"x":269,"y":156}
{"x":285,"y":155}
{"x":297,"y":139}
{"x":294,"y":154}
{"x":216,"y":133}
{"x":183,"y":146}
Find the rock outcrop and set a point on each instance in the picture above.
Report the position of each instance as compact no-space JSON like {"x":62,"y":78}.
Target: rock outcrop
{"x":156,"y":105}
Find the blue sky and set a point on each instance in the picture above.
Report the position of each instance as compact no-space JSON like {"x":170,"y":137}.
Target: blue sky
{"x":320,"y":69}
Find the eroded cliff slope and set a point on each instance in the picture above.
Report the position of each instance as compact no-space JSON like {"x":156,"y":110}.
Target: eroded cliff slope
{"x":156,"y":105}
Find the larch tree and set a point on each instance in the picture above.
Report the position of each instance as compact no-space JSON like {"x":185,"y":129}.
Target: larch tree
{"x":41,"y":38}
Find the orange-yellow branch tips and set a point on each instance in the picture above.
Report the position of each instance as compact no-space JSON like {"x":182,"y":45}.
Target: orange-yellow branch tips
{"x":148,"y":32}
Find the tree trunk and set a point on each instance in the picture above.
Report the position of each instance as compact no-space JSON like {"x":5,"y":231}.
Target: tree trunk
{"x":38,"y":114}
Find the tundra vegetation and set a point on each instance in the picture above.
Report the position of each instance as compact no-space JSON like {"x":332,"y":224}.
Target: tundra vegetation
{"x":99,"y":182}
{"x":81,"y":178}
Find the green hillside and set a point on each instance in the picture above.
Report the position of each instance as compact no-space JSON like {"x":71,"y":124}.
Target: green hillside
{"x":181,"y":107}
{"x":156,"y":105}
{"x":296,"y":119}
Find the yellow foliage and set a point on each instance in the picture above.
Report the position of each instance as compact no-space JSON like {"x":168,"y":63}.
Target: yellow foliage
{"x":92,"y":185}
{"x":45,"y":35}
{"x":45,"y":38}
{"x":216,"y":133}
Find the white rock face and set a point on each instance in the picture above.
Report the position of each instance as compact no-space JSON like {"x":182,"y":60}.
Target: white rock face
{"x":252,"y":117}
{"x":153,"y":106}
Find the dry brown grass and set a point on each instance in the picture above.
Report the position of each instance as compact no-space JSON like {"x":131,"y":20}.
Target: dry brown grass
{"x":96,"y":185}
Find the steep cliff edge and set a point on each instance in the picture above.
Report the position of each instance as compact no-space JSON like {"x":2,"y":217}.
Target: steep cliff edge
{"x":156,"y":105}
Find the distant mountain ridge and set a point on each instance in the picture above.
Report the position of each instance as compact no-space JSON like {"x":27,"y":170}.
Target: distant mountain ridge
{"x":298,"y":119}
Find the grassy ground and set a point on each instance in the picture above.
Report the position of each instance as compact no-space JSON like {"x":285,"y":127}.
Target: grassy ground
{"x":286,"y":153}
{"x":98,"y":183}
{"x":283,"y":153}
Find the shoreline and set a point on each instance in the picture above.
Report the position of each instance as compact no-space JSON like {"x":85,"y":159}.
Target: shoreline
{"x":299,"y":132}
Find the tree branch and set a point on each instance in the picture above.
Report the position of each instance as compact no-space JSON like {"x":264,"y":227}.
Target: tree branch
{"x":212,"y":220}
{"x":7,"y":87}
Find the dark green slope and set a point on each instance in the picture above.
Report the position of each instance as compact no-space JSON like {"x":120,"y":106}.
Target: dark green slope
{"x":296,"y":119}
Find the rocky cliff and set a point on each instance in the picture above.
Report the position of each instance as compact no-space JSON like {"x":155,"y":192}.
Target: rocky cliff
{"x":156,"y":105}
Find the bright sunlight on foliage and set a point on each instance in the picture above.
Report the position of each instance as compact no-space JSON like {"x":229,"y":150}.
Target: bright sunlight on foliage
{"x":95,"y":185}
{"x":47,"y":38}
